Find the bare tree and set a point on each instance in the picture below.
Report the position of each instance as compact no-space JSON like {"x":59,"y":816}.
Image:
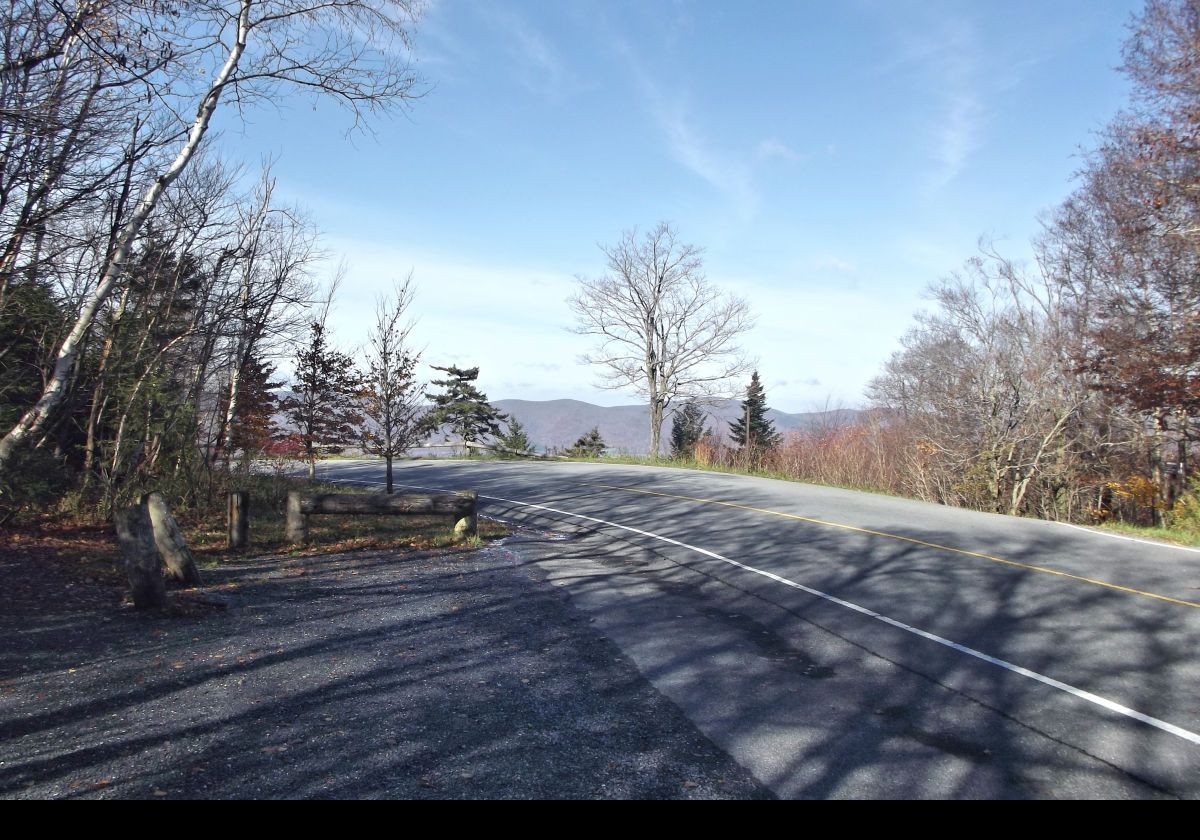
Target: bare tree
{"x":665,"y":332}
{"x":274,"y":254}
{"x":394,"y":402}
{"x":245,"y":50}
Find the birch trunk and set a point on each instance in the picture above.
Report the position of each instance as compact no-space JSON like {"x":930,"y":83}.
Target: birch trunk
{"x":35,"y":419}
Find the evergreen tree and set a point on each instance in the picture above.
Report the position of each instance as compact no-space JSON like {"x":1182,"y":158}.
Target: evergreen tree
{"x":752,"y":431}
{"x":516,"y":437}
{"x":687,"y":427}
{"x":255,"y":428}
{"x":462,"y":410}
{"x":324,"y":406}
{"x":590,"y":445}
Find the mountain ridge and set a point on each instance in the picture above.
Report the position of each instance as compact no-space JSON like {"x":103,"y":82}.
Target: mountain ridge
{"x":557,"y":424}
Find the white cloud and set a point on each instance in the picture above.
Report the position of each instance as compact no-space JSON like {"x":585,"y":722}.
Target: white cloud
{"x":775,"y":149}
{"x":834,"y":264}
{"x":730,"y":176}
{"x":508,"y":320}
{"x":944,"y":54}
{"x":542,"y":68}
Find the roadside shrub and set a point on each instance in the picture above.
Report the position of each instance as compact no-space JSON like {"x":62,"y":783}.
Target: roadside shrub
{"x":35,"y":481}
{"x":1185,"y":514}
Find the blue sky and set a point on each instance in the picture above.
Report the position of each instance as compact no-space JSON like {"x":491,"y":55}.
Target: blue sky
{"x":831,"y":158}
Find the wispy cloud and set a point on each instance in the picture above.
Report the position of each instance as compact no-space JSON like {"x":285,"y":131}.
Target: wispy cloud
{"x":687,"y":144}
{"x":728,"y":175}
{"x":775,"y":149}
{"x":956,"y":133}
{"x":540,"y":66}
{"x":945,"y":54}
{"x":834,"y":264}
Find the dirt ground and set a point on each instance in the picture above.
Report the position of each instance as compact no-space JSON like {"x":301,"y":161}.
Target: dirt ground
{"x":436,"y":674}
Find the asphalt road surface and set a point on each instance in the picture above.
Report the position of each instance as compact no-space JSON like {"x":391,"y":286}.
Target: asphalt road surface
{"x":842,"y":644}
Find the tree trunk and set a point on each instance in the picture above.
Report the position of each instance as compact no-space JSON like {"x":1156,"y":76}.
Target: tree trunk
{"x":656,"y":421}
{"x":389,"y":474}
{"x":32,"y":422}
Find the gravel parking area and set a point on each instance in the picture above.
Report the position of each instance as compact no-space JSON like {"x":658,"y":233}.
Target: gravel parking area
{"x":449,"y":674}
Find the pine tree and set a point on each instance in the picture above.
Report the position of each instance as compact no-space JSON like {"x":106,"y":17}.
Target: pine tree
{"x":752,"y":431}
{"x":687,"y":427}
{"x":516,"y":438}
{"x":589,"y":445}
{"x":324,"y":406}
{"x":254,"y":428}
{"x":462,"y":410}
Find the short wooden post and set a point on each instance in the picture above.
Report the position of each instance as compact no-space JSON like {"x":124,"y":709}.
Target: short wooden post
{"x":167,"y":537}
{"x":135,"y":533}
{"x":468,"y":526}
{"x":239,"y":519}
{"x":297,"y":522}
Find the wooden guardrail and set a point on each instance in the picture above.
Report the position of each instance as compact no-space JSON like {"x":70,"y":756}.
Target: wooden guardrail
{"x":462,"y":506}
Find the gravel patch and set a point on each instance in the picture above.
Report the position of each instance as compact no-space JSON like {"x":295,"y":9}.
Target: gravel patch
{"x":449,"y":674}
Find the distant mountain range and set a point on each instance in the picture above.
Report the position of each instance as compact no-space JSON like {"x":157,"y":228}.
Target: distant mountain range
{"x":557,"y":424}
{"x":626,"y":428}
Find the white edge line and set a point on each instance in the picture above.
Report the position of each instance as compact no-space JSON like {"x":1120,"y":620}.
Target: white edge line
{"x":1096,"y":699}
{"x":1101,"y":533}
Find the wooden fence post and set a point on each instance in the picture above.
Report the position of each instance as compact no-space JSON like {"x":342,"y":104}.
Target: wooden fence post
{"x":239,"y":519}
{"x":297,"y":522}
{"x":136,"y":535}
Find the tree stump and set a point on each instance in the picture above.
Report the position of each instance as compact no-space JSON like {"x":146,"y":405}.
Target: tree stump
{"x":135,"y":533}
{"x":239,"y":519}
{"x":171,"y":546}
{"x":468,"y":526}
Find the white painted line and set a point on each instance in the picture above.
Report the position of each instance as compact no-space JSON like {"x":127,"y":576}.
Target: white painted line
{"x":1101,"y":533}
{"x":1096,"y":699}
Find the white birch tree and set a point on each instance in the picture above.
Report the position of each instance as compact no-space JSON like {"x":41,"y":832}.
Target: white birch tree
{"x":245,"y":51}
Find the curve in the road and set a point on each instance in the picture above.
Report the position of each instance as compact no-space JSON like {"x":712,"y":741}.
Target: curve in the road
{"x":1081,"y":694}
{"x":1057,"y":573}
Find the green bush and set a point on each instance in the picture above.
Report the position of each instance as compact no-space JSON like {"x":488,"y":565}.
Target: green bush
{"x":35,"y":481}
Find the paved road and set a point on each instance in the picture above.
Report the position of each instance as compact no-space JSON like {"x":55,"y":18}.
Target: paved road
{"x":841,"y":644}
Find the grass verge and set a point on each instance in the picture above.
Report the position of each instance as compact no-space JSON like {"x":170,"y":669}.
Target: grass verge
{"x":1161,"y":533}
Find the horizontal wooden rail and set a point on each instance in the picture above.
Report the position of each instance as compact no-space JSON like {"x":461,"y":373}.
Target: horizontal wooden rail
{"x":462,"y":506}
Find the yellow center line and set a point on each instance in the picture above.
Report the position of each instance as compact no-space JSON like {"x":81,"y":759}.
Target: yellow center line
{"x":912,"y":540}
